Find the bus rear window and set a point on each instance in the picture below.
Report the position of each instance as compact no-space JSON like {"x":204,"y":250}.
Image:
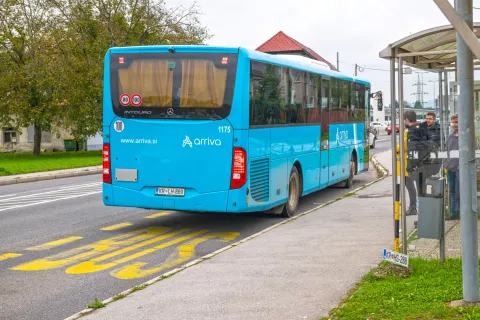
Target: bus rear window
{"x":172,"y":85}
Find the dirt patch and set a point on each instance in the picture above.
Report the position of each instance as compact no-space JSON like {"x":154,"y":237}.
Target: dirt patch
{"x":386,"y":269}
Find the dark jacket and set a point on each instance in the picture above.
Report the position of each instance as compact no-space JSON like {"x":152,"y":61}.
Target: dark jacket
{"x":433,"y":137}
{"x":433,"y":132}
{"x":418,"y":147}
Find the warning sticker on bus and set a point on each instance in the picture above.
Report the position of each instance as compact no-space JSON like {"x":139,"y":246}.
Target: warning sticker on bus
{"x":124,"y":99}
{"x":136,"y":100}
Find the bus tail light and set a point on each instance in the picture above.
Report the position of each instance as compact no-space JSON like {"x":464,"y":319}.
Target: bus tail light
{"x":107,"y":175}
{"x":239,"y":168}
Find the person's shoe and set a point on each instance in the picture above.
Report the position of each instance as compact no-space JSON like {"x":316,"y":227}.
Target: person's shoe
{"x":411,"y":211}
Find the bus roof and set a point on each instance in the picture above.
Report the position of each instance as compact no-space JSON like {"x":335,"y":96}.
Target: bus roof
{"x":297,"y":62}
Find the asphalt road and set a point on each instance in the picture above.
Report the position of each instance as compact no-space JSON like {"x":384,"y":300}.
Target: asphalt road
{"x":61,"y":248}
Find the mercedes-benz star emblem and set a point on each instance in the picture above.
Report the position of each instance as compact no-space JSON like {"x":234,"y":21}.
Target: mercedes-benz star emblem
{"x":170,"y":112}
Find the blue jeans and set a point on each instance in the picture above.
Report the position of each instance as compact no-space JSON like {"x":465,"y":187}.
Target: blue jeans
{"x":453,"y":188}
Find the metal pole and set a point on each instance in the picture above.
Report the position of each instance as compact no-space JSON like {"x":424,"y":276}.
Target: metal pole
{"x":396,"y":241}
{"x":356,"y":69}
{"x":338,"y":62}
{"x":468,"y":189}
{"x":402,"y":158}
{"x":441,"y":101}
{"x":445,"y":107}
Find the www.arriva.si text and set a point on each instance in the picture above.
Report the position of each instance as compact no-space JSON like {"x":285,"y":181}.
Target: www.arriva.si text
{"x":139,"y":141}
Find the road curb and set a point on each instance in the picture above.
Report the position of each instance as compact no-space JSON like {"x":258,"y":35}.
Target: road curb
{"x":170,"y":273}
{"x":50,"y":176}
{"x":378,"y":166}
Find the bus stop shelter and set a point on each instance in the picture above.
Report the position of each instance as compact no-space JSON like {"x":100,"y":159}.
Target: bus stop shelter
{"x":443,"y":50}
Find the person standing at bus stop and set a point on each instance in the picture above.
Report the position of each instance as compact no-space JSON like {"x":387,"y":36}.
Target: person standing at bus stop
{"x":451,"y":164}
{"x":433,"y":166}
{"x":418,"y":153}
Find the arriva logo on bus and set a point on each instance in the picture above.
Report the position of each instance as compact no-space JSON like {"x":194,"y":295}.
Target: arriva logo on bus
{"x":341,"y":135}
{"x":201,"y":142}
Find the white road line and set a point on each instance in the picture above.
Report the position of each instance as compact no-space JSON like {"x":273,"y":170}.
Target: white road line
{"x":8,"y":195}
{"x":51,"y":200}
{"x":81,"y":185}
{"x":37,"y":194}
{"x":12,"y":201}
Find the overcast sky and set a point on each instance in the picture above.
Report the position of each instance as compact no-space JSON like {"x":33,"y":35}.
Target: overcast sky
{"x":357,"y":29}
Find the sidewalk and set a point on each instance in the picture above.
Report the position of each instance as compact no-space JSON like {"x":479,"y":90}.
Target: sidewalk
{"x":298,"y":269}
{"x":47,"y":175}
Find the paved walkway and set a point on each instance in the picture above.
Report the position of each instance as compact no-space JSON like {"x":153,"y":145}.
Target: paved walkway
{"x":298,"y":269}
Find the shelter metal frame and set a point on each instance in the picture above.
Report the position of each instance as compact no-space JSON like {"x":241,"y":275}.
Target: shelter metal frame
{"x":436,"y":50}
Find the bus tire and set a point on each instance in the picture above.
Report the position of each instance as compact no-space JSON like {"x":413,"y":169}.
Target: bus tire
{"x":349,"y":181}
{"x":294,"y":183}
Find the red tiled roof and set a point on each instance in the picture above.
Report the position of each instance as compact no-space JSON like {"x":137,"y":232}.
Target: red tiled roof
{"x":281,"y":43}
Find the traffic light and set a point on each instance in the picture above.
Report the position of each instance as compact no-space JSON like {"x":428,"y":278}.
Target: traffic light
{"x":379,"y":101}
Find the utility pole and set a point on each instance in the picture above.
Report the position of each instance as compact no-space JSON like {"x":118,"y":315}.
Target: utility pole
{"x":468,"y":188}
{"x":356,"y":67}
{"x":420,"y":91}
{"x":338,"y":62}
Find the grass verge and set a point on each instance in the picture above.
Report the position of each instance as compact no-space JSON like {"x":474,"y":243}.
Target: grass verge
{"x":96,"y":305}
{"x":19,"y":163}
{"x":422,"y":291}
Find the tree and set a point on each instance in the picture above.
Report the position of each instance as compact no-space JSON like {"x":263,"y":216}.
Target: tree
{"x":52,"y":55}
{"x":28,"y":74}
{"x":86,"y":29}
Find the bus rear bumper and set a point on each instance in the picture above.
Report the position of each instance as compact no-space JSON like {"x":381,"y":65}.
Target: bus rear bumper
{"x":123,"y":197}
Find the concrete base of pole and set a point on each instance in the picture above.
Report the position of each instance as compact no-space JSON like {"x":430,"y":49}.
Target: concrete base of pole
{"x":462,"y":303}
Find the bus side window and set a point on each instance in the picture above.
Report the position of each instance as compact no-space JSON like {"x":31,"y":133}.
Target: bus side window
{"x":336,"y":94}
{"x":325,"y":96}
{"x":313,"y":105}
{"x":354,"y":111}
{"x":345,"y":101}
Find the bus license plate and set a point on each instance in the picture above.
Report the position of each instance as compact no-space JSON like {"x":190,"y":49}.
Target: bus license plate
{"x":170,"y":192}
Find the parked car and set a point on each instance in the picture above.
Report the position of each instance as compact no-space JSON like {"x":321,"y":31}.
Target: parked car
{"x":380,"y":126}
{"x":371,"y":139}
{"x":389,"y":129}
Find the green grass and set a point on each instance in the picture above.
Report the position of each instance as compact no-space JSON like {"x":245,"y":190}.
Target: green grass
{"x":421,"y":292}
{"x":119,"y":296}
{"x":19,"y":163}
{"x":138,"y":288}
{"x":96,"y":305}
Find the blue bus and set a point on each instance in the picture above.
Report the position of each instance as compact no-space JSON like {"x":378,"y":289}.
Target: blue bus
{"x":221,"y":129}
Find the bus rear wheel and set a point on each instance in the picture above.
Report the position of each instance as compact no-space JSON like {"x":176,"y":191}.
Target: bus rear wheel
{"x":291,"y":206}
{"x":349,"y":182}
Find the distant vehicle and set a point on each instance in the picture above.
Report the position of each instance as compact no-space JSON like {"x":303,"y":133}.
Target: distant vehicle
{"x":379,"y":126}
{"x":372,"y":137}
{"x":389,"y":129}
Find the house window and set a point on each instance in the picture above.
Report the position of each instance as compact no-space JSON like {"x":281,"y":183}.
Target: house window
{"x":9,"y":135}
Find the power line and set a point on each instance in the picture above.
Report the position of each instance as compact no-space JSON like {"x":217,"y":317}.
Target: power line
{"x":376,"y":69}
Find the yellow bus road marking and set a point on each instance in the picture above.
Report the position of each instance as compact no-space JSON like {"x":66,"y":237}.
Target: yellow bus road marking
{"x":54,"y":244}
{"x":117,"y":226}
{"x":7,"y":256}
{"x":157,"y":215}
{"x":184,"y":253}
{"x":91,"y":250}
{"x":91,"y":266}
